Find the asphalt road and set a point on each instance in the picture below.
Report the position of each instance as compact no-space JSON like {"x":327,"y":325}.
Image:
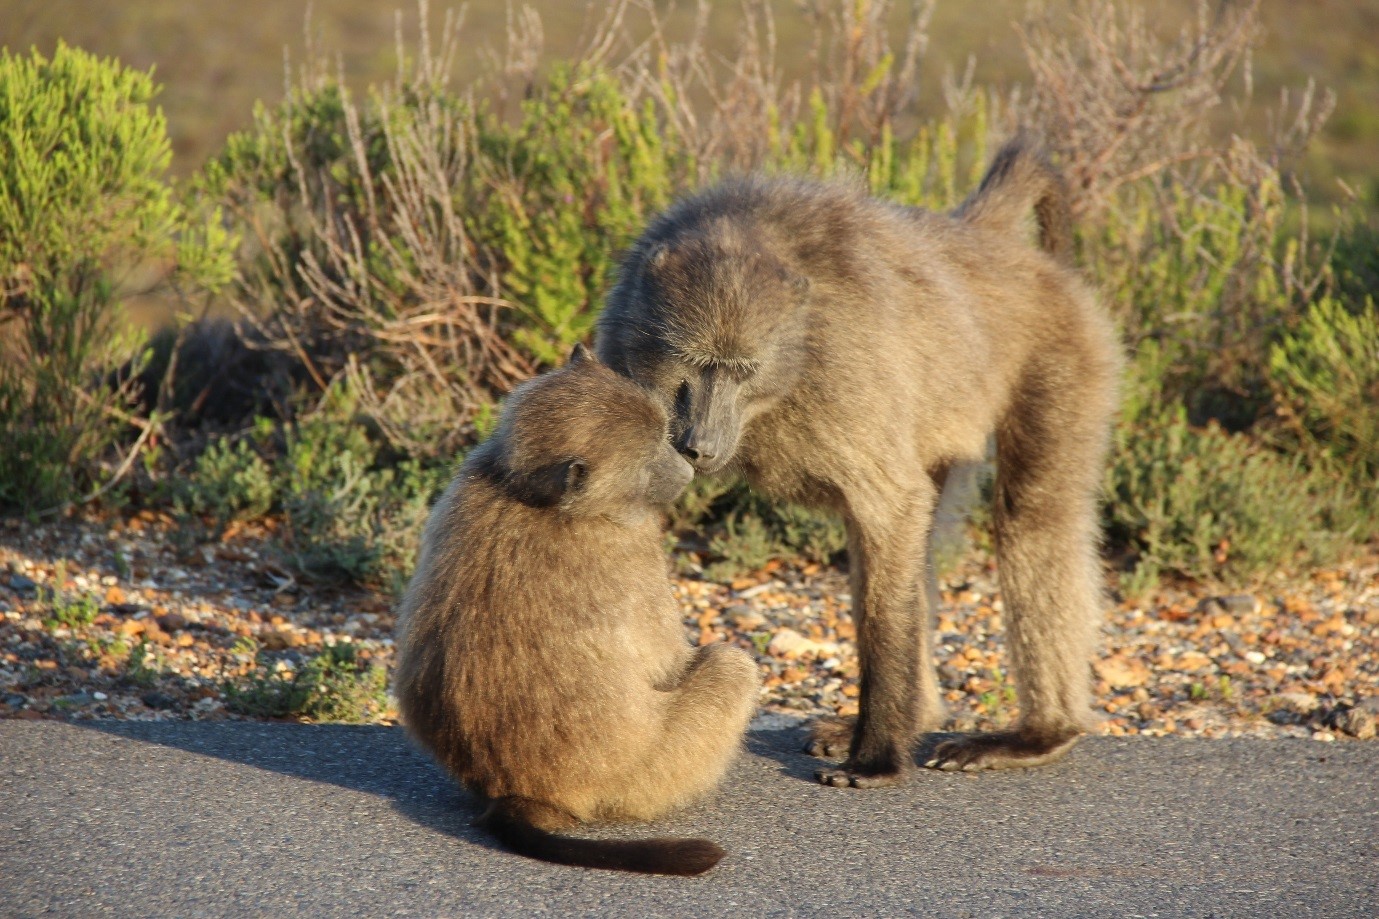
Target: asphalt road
{"x":241,"y":819}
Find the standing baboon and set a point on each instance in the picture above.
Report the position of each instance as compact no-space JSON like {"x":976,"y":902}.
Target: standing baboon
{"x":845,"y":353}
{"x":541,"y":655}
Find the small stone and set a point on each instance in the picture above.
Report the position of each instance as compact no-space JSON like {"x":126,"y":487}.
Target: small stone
{"x":158,"y":700}
{"x":130,"y":627}
{"x":114,"y":596}
{"x":172,"y":622}
{"x":1239,"y":604}
{"x":1357,"y":723}
{"x":788,"y":643}
{"x":747,"y":620}
{"x":278,"y":640}
{"x":1302,"y":703}
{"x":1121,"y":672}
{"x":22,"y":585}
{"x":1194,"y":660}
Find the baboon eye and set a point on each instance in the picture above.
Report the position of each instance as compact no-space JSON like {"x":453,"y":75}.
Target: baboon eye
{"x":682,"y":398}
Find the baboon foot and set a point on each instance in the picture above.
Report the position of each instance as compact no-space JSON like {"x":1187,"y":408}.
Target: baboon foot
{"x":1002,"y":750}
{"x":830,"y":736}
{"x":877,"y":773}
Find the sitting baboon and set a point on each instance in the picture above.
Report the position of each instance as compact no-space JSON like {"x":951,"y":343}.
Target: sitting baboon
{"x":541,"y":654}
{"x":845,"y":353}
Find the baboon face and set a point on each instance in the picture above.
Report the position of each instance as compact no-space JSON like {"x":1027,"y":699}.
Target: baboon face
{"x":724,"y":340}
{"x":592,"y":443}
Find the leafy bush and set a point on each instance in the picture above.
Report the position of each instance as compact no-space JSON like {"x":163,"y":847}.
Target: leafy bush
{"x":738,"y":531}
{"x":350,"y":515}
{"x":1213,"y":505}
{"x":1326,"y":378}
{"x":349,"y":511}
{"x":332,"y":686}
{"x":82,"y":201}
{"x":229,"y":481}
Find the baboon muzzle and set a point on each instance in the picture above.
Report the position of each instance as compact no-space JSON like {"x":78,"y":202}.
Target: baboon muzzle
{"x":712,"y":425}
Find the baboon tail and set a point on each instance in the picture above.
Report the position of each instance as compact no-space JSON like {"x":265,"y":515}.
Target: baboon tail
{"x":1020,"y":177}
{"x":518,"y":824}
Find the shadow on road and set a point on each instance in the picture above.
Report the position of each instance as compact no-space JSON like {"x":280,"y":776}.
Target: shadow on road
{"x":787,"y":748}
{"x":372,"y":759}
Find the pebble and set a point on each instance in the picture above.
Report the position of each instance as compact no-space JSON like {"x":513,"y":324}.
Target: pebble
{"x":1357,"y":722}
{"x":788,"y":643}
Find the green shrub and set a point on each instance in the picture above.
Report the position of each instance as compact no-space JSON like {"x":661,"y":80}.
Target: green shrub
{"x":741,"y":531}
{"x":350,"y":512}
{"x":1326,"y":378}
{"x":82,"y":202}
{"x":332,"y":686}
{"x":1355,"y":260}
{"x":1189,"y":271}
{"x":562,"y":192}
{"x":229,"y":481}
{"x":73,"y":611}
{"x":1212,"y":505}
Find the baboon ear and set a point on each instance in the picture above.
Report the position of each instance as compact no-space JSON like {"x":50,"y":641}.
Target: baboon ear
{"x":658,"y":254}
{"x":581,"y":355}
{"x":556,"y":483}
{"x":576,"y":474}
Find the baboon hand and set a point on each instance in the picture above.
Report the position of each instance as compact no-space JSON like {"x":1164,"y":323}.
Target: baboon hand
{"x":1001,"y":750}
{"x":830,"y":736}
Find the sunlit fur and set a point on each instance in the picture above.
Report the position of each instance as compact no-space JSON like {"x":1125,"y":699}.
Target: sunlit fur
{"x":848,"y":353}
{"x":541,"y":654}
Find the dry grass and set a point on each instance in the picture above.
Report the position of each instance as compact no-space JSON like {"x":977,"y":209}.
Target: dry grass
{"x":216,"y":60}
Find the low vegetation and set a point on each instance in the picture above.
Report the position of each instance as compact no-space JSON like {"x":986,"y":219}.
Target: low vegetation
{"x":399,"y":258}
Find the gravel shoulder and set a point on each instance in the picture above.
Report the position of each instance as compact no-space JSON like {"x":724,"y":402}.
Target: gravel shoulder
{"x":124,"y":617}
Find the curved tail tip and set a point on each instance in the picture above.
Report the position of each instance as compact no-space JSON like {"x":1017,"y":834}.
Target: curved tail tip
{"x":697,"y":856}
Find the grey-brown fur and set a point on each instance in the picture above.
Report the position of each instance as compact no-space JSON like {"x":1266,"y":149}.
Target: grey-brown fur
{"x":847,"y":353}
{"x":541,"y":654}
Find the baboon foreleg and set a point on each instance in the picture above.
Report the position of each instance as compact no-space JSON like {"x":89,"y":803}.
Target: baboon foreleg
{"x":886,"y":548}
{"x":1049,"y":458}
{"x":830,"y":736}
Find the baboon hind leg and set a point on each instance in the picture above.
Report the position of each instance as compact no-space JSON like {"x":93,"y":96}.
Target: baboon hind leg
{"x":886,"y":549}
{"x":1049,"y":457}
{"x":703,"y":729}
